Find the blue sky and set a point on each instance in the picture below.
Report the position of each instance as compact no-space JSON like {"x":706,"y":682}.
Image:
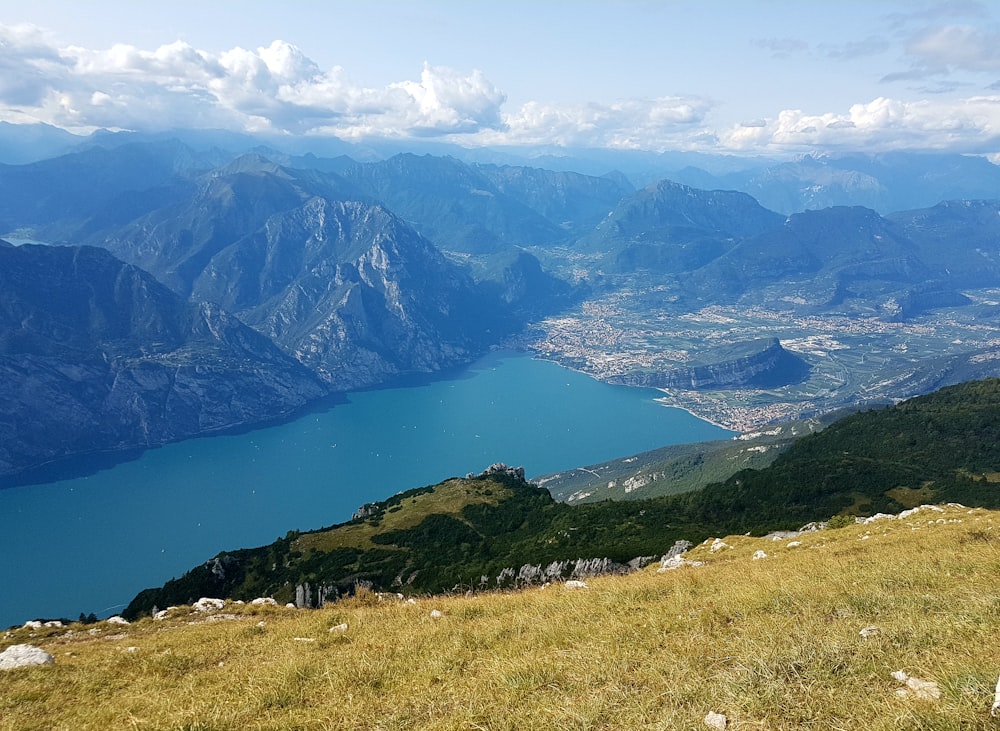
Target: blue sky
{"x":737,"y":76}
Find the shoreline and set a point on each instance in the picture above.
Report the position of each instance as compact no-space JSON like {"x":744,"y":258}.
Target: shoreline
{"x":711,"y":420}
{"x":662,"y":401}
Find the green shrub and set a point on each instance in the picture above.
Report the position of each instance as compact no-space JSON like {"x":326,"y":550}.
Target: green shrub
{"x":840,"y":521}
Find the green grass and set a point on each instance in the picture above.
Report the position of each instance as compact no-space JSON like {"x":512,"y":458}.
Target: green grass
{"x":772,"y":643}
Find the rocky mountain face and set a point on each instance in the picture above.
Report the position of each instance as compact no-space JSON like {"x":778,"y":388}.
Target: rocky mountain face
{"x":353,"y":293}
{"x":339,"y":283}
{"x":97,"y":355}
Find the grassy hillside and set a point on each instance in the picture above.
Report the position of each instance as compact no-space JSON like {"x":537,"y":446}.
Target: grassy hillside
{"x":775,"y":643}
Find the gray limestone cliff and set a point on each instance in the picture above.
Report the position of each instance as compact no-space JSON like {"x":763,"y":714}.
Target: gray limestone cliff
{"x":763,"y":363}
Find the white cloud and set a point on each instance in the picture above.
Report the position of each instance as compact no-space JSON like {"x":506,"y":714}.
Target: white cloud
{"x":29,"y":66}
{"x":971,"y":125}
{"x":274,"y":88}
{"x":278,"y":89}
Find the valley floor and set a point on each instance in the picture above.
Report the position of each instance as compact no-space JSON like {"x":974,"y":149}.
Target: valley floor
{"x":853,"y":358}
{"x":808,"y":636}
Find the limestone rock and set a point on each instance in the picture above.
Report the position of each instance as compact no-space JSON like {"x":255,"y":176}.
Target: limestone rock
{"x":499,"y":468}
{"x":716,"y":721}
{"x":922,"y":690}
{"x":22,"y":656}
{"x":679,"y":548}
{"x":717,"y":545}
{"x":207,"y":604}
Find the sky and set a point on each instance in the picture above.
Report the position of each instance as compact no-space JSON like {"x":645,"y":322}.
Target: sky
{"x":724,"y":76}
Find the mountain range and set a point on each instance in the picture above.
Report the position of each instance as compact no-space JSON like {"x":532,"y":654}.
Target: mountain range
{"x":350,"y":273}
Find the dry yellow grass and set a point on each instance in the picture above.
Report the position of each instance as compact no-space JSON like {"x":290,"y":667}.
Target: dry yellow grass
{"x":773,"y":644}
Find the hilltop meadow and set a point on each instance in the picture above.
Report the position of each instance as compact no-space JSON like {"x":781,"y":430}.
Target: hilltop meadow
{"x":807,"y":635}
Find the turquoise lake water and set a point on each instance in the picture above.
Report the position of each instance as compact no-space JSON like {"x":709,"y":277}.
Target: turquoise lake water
{"x":89,"y":544}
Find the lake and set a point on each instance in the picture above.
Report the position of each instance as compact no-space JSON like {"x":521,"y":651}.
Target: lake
{"x":89,"y":544}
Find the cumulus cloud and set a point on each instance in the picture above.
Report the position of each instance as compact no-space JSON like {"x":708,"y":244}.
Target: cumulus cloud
{"x":278,"y":89}
{"x":971,"y":125}
{"x":274,"y":88}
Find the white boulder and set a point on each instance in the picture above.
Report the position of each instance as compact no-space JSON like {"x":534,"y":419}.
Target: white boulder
{"x":716,"y":721}
{"x":669,"y":564}
{"x":207,"y":604}
{"x":23,"y":656}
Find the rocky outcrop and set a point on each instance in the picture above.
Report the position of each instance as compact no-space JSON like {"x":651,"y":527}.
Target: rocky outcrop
{"x":499,"y":468}
{"x":762,"y":363}
{"x":581,"y":568}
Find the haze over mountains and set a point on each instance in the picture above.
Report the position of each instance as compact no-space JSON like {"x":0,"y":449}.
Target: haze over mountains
{"x":196,"y":288}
